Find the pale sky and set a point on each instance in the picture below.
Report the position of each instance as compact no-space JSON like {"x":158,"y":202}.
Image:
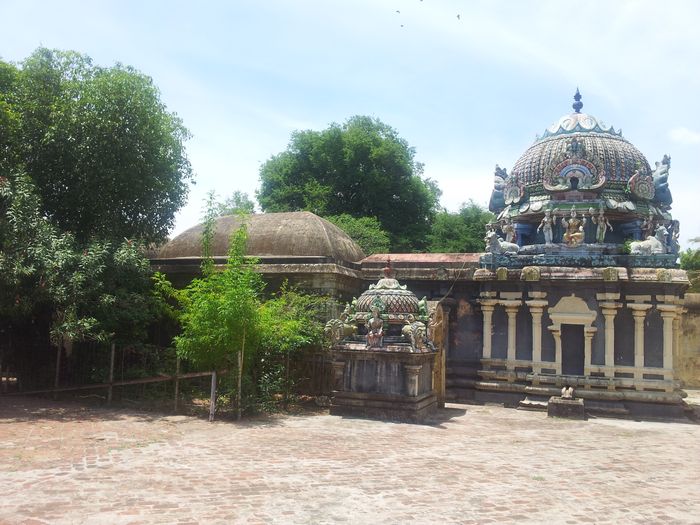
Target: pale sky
{"x":467,"y":92}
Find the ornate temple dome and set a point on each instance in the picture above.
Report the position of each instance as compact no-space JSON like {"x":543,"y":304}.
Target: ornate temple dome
{"x":270,"y":235}
{"x":391,"y":298}
{"x":581,"y":159}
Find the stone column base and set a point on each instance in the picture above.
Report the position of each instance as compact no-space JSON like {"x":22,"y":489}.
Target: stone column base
{"x":384,"y":406}
{"x":566,"y":408}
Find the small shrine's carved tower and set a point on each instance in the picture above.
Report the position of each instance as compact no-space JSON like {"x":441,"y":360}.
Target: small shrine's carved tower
{"x":383,"y":355}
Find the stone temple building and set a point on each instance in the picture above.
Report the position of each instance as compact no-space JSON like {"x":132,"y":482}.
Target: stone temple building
{"x":578,"y":284}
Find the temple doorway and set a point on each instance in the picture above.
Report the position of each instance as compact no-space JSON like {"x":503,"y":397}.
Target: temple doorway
{"x":572,"y":355}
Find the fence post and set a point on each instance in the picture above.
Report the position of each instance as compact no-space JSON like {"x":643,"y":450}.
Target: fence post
{"x":177,"y":383}
{"x":58,"y":365}
{"x":212,"y":401}
{"x":111,"y":373}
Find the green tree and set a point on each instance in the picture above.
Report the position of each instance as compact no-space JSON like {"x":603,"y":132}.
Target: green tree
{"x":362,"y":168}
{"x":690,"y":261}
{"x":106,"y":156}
{"x":290,"y":322}
{"x":365,"y":231}
{"x":94,"y":292}
{"x":236,"y":203}
{"x":461,"y":232}
{"x":219,"y":311}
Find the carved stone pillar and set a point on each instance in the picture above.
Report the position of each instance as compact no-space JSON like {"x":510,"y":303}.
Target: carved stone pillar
{"x":678,"y":332}
{"x":639,"y":312}
{"x":412,"y":372}
{"x":440,"y":371}
{"x":512,"y":311}
{"x":537,"y":307}
{"x":556,"y":333}
{"x":609,"y":310}
{"x":669,"y":313}
{"x":338,"y":374}
{"x":588,"y":333}
{"x":487,"y":307}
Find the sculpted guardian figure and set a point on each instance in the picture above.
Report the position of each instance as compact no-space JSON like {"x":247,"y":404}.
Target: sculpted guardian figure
{"x":603,"y":224}
{"x":547,"y":226}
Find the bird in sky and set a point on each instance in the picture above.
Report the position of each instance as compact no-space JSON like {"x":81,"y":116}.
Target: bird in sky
{"x":459,"y":17}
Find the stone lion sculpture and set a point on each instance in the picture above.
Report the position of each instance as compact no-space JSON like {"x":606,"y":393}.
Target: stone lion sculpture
{"x":416,"y":333}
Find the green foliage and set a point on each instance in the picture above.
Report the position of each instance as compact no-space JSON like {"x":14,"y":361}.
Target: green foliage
{"x":95,"y":292}
{"x":626,"y":248}
{"x":461,"y":232}
{"x":238,"y":202}
{"x":690,"y":261}
{"x":106,"y":156}
{"x":361,"y":168}
{"x":222,"y":316}
{"x":367,"y":232}
{"x":290,"y":323}
{"x":220,"y":311}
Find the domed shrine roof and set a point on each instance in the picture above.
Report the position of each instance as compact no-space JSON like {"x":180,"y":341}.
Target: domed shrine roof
{"x":581,"y":159}
{"x":270,"y":235}
{"x":390,"y":298}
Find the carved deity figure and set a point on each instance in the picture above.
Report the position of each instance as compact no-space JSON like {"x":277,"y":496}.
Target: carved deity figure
{"x":603,"y":224}
{"x":547,"y":226}
{"x":660,"y":177}
{"x":375,"y":329}
{"x":674,"y":233}
{"x":573,"y":229}
{"x":508,"y":229}
{"x":648,"y":227}
{"x":435,"y":332}
{"x":499,"y":183}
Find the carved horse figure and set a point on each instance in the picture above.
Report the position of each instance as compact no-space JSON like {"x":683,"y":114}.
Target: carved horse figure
{"x":651,"y":245}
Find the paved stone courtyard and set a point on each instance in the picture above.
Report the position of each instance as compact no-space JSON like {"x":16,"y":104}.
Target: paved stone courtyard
{"x":63,"y":463}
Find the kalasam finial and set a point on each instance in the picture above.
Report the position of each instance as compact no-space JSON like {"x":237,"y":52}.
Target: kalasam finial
{"x":577,"y":105}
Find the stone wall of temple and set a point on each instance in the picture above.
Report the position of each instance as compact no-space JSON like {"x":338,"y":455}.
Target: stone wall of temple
{"x":688,"y":362}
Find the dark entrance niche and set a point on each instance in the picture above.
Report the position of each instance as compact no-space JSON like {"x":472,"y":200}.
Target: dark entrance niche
{"x":572,"y":355}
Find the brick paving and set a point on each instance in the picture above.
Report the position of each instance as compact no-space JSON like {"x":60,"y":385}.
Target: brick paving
{"x":62,"y":463}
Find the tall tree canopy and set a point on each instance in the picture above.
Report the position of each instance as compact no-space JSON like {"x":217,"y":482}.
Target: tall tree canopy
{"x":461,"y":232}
{"x":236,"y":203}
{"x":105,"y":155}
{"x":361,"y":168}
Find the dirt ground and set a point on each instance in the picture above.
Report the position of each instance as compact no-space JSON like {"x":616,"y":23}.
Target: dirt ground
{"x":64,"y":463}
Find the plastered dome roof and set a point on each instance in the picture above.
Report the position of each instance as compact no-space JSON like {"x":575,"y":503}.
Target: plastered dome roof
{"x":609,"y":152}
{"x":580,"y":158}
{"x":270,"y":234}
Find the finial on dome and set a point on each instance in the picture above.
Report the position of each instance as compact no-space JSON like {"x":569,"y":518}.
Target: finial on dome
{"x":578,"y":104}
{"x":388,"y":270}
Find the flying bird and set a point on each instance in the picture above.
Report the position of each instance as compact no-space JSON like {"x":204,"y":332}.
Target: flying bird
{"x":459,"y":17}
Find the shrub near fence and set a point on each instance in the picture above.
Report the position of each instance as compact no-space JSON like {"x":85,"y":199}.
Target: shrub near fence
{"x":146,"y":374}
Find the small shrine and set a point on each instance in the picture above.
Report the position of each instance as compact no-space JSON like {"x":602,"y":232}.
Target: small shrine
{"x":383,"y":355}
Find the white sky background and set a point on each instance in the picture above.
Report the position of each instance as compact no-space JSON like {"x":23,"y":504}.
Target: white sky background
{"x":466,"y":92}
